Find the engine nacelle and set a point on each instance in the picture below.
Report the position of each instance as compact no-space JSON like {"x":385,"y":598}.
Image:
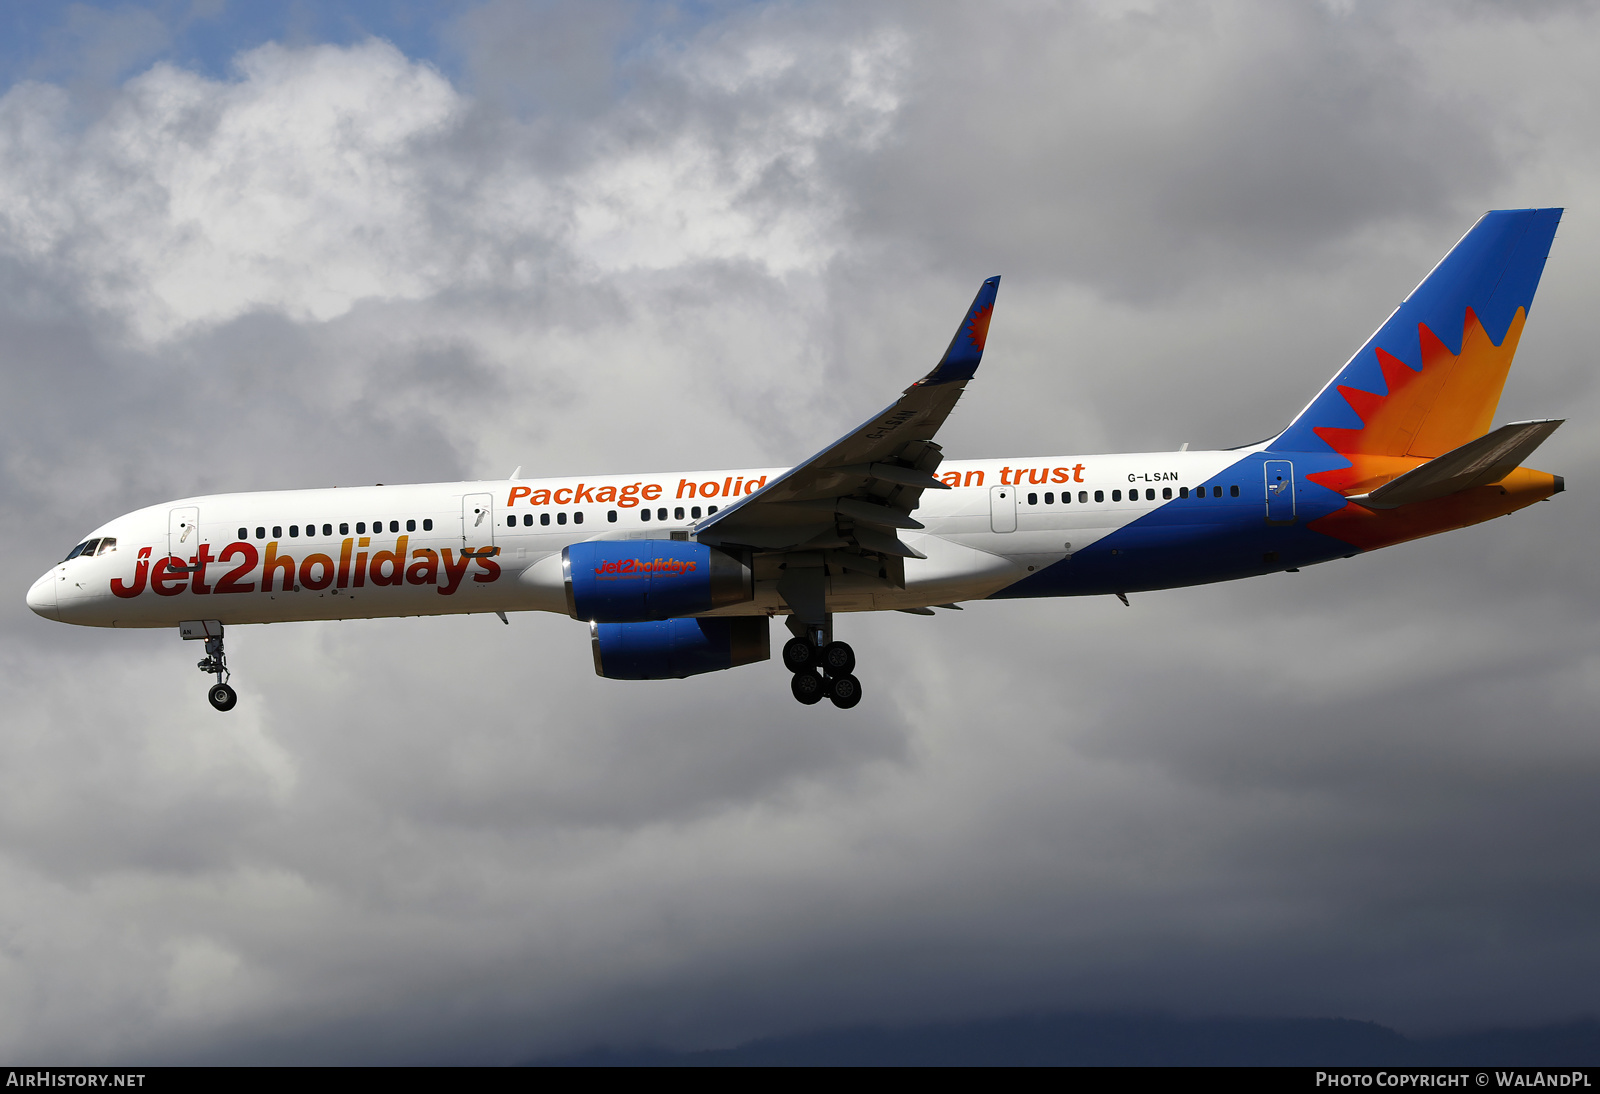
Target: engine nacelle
{"x":634,"y":580}
{"x":670,"y":649}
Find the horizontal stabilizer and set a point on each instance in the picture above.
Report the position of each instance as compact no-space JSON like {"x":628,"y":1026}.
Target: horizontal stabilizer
{"x":1488,"y":459}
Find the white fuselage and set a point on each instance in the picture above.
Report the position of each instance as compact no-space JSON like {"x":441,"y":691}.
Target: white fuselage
{"x":495,"y":546}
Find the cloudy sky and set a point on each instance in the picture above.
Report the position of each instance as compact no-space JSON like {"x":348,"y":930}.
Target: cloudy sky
{"x":320,"y":245}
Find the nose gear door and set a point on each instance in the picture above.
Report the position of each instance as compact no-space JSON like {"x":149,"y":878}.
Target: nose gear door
{"x":1003,"y":508}
{"x":1280,"y":491}
{"x":183,"y":533}
{"x":477,"y":521}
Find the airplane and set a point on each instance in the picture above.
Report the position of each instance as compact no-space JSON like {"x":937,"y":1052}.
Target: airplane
{"x":680,"y":574}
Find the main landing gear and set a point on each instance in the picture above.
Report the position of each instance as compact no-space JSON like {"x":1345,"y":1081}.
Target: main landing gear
{"x":822,"y":672}
{"x":215,"y":661}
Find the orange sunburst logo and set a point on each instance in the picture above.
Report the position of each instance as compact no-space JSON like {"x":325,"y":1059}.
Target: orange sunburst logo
{"x":978,"y":325}
{"x":1424,"y":414}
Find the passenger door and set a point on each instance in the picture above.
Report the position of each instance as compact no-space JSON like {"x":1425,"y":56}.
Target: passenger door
{"x":477,"y":521}
{"x":183,"y":533}
{"x":1280,"y":491}
{"x":1003,"y":508}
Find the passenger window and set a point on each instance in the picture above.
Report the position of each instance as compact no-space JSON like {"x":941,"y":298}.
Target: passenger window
{"x":644,"y":514}
{"x":1083,"y":497}
{"x":577,"y":518}
{"x":244,"y":533}
{"x":677,"y":514}
{"x":394,"y":526}
{"x":1166,"y":493}
{"x":711,"y":510}
{"x":1183,"y":491}
{"x":411,"y":526}
{"x":1150,"y":494}
{"x":277,"y":531}
{"x":511,"y":521}
{"x":294,"y":531}
{"x":694,"y":512}
{"x":327,"y":529}
{"x":361,"y":527}
{"x":344,"y":529}
{"x":261,"y":533}
{"x":427,"y":524}
{"x":1050,"y":498}
{"x":1216,"y":491}
{"x":544,"y":518}
{"x":110,"y":544}
{"x":1033,"y":499}
{"x":561,"y":518}
{"x":527,"y":520}
{"x":611,"y":515}
{"x":1233,"y":491}
{"x":661,"y":514}
{"x":1116,"y":495}
{"x":1099,"y":495}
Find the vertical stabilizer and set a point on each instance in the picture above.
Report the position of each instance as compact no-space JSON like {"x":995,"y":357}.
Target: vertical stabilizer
{"x":1430,"y":379}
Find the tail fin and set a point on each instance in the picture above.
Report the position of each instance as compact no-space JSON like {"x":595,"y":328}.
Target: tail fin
{"x":1429,"y":380}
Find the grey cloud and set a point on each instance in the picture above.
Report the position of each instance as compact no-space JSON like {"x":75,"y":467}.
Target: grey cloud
{"x":1148,"y":149}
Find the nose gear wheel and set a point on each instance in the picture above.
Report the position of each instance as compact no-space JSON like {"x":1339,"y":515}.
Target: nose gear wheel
{"x":215,"y":663}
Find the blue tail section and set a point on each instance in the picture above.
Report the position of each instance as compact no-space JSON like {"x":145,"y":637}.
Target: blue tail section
{"x":960,"y":361}
{"x":1489,"y":276}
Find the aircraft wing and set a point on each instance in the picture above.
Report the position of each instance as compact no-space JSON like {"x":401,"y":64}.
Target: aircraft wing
{"x":861,"y":490}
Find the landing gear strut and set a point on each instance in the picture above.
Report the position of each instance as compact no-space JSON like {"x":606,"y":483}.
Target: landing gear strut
{"x":822,"y":668}
{"x":215,"y":661}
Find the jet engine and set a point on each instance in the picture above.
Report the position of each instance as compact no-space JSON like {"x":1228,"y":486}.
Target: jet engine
{"x":670,"y":649}
{"x":631,"y":581}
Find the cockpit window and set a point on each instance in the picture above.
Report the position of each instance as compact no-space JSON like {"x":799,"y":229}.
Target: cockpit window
{"x":76,"y":551}
{"x":107,"y":544}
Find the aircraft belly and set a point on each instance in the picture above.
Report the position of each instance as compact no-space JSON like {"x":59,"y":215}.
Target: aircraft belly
{"x":953,"y":570}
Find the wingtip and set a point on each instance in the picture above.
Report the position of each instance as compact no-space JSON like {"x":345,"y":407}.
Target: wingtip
{"x":961,"y":359}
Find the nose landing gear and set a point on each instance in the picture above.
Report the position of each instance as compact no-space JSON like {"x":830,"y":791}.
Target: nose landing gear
{"x":215,"y":661}
{"x":822,"y":669}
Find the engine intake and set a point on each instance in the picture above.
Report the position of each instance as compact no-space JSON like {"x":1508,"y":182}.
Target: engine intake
{"x":671,"y":649}
{"x":632,"y":581}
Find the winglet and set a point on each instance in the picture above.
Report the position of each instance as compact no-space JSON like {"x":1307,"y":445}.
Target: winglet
{"x":960,"y":361}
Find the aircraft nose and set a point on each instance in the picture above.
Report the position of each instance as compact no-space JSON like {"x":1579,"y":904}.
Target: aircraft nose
{"x":42,"y":597}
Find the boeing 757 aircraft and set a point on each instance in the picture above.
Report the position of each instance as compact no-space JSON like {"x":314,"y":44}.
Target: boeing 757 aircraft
{"x":678,"y":574}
